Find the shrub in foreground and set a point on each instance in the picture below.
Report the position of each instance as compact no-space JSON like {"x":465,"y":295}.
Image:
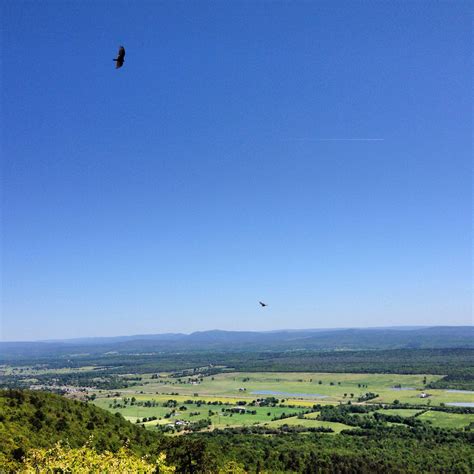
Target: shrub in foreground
{"x":63,"y":459}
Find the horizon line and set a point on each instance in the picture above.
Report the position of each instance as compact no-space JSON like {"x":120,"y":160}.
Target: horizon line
{"x":407,"y":327}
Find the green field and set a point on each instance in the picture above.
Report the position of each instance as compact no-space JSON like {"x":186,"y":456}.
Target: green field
{"x":309,"y":422}
{"x":436,"y":418}
{"x":220,"y":416}
{"x":306,"y":388}
{"x":296,"y":391}
{"x":211,"y":398}
{"x":447,"y":420}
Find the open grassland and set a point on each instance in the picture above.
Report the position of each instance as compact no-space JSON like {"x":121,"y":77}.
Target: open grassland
{"x":436,"y":418}
{"x":309,"y":423}
{"x":447,"y":420}
{"x":219,"y":415}
{"x":436,"y":397}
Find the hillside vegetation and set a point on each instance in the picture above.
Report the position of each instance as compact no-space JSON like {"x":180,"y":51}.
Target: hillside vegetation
{"x":32,"y":423}
{"x":39,"y":420}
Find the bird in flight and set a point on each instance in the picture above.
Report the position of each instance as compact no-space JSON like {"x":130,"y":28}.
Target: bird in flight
{"x":263,"y":304}
{"x":120,"y":59}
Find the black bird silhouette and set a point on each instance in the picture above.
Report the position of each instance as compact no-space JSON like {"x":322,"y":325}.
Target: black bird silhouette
{"x":120,"y":59}
{"x":262,"y":304}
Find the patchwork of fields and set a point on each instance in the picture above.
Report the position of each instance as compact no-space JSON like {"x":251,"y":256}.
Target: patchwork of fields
{"x":309,"y":387}
{"x":218,"y":398}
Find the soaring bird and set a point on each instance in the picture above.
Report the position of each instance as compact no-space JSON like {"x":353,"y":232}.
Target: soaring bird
{"x":120,"y":59}
{"x":262,"y":304}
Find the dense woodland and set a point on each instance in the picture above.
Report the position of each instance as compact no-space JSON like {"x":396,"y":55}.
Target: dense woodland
{"x":457,"y":364}
{"x":38,"y":420}
{"x":31,"y":419}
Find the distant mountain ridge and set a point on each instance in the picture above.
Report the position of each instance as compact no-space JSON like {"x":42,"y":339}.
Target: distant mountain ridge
{"x":304,"y":339}
{"x":223,"y":333}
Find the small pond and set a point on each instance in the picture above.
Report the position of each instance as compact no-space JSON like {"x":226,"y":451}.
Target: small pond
{"x":460,"y":391}
{"x":288,"y":394}
{"x":461,"y":404}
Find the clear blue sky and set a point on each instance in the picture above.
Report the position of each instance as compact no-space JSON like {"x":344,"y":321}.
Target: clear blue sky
{"x":177,"y":192}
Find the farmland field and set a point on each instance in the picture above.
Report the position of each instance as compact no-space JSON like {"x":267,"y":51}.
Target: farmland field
{"x":219,"y":415}
{"x":164,"y":399}
{"x":310,"y":422}
{"x":195,"y":397}
{"x":305,"y":388}
{"x":447,"y":420}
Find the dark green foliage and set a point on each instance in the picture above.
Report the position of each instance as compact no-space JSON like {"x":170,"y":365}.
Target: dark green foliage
{"x":406,"y":361}
{"x":458,"y":379}
{"x":378,"y":450}
{"x":192,"y":454}
{"x":259,"y":429}
{"x":352,"y":415}
{"x":38,"y":419}
{"x":367,"y":396}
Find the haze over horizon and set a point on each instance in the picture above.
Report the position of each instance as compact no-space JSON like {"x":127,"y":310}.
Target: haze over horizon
{"x":314,"y":156}
{"x":285,"y":329}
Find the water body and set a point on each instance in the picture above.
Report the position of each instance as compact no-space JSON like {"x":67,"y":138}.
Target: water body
{"x":459,"y":391}
{"x":461,"y":404}
{"x":288,"y":394}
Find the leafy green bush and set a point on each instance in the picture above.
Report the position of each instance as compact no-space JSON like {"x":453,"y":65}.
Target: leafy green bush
{"x":63,"y":459}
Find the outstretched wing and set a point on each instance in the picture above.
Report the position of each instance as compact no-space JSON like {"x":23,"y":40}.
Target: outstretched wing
{"x":120,"y":57}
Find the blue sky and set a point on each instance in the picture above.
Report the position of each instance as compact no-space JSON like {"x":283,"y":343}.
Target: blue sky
{"x":204,"y":176}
